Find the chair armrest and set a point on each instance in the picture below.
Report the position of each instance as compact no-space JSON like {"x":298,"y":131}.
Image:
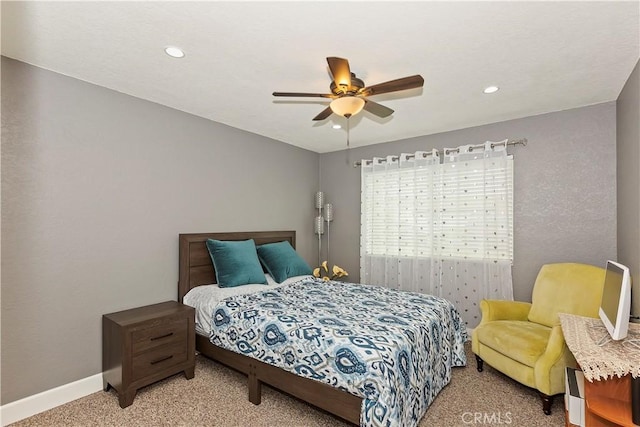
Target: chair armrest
{"x":549,"y":368}
{"x":493,"y":309}
{"x":555,"y":345}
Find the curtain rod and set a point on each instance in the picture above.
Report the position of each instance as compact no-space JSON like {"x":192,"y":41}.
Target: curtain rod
{"x":522,"y":141}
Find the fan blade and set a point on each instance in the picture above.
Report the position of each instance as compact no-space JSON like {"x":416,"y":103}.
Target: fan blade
{"x":323,"y":114}
{"x":340,"y":71}
{"x":314,"y":95}
{"x":377,"y":109}
{"x":394,"y":85}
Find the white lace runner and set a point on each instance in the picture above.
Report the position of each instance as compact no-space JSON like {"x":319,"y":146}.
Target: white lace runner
{"x":596,"y":353}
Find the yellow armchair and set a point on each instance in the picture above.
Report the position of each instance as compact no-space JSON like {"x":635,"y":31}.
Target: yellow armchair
{"x":524,"y":340}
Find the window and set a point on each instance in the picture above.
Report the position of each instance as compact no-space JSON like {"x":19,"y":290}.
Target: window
{"x":461,"y":209}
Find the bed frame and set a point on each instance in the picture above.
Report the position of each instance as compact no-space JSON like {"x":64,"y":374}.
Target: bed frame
{"x":196,"y":269}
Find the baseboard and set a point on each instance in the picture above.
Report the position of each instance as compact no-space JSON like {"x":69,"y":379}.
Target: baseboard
{"x":24,"y":408}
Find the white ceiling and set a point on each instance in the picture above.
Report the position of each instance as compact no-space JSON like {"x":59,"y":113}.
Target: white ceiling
{"x":544,"y":56}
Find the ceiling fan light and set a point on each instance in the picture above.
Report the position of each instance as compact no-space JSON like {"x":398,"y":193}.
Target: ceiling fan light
{"x":347,"y":106}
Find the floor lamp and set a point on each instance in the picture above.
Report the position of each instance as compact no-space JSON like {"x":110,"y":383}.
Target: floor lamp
{"x":319,"y":223}
{"x":328,"y":216}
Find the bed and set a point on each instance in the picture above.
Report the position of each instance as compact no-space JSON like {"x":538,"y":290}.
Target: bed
{"x":196,"y":269}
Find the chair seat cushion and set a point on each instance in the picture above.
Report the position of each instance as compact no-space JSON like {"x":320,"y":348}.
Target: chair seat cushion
{"x":519,"y":340}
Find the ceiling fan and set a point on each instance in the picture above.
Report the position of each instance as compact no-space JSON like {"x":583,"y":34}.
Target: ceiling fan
{"x":349,"y":93}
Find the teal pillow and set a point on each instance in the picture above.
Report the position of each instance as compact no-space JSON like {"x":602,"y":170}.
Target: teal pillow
{"x":282,"y":261}
{"x":236,"y":262}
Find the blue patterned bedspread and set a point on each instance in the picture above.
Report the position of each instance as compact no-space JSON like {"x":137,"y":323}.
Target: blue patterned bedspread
{"x":395,"y":349}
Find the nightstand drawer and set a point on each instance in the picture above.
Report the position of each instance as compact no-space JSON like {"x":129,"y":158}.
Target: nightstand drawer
{"x":150,"y":362}
{"x":159,"y":334}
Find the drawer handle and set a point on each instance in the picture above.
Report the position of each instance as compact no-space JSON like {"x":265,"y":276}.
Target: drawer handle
{"x":161,"y":360}
{"x":162,"y":336}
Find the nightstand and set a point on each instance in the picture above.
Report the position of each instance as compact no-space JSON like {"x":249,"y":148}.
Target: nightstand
{"x":146,"y":344}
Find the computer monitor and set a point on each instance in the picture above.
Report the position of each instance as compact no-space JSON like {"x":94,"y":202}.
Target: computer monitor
{"x":615,"y":307}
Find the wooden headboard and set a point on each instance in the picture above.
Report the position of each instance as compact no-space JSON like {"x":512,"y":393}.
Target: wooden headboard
{"x":195,"y":266}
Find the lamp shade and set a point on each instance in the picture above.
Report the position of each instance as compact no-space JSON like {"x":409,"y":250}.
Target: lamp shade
{"x":318,"y":225}
{"x":328,"y":212}
{"x":347,"y":106}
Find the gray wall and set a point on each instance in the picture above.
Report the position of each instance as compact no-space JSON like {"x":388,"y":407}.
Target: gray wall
{"x":96,"y":187}
{"x":565,"y":188}
{"x":628,"y":127}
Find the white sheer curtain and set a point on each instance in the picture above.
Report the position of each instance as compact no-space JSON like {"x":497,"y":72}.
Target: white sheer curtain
{"x":440,"y":228}
{"x":396,"y":230}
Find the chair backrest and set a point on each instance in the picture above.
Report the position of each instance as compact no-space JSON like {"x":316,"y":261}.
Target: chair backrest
{"x":566,"y":288}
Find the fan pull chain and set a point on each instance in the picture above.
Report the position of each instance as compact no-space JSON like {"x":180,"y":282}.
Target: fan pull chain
{"x":348,"y":128}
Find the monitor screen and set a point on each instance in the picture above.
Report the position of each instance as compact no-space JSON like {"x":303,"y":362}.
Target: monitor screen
{"x":611,"y":292}
{"x":616,"y":300}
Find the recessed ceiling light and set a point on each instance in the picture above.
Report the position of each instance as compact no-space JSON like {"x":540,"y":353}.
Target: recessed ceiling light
{"x":173,"y":51}
{"x":491,"y":89}
{"x":336,"y":127}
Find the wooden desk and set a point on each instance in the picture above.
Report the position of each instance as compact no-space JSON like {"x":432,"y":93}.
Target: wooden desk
{"x":607,"y":395}
{"x":608,"y":402}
